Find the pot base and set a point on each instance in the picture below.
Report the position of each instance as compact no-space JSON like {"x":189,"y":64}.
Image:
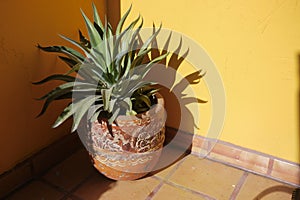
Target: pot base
{"x":116,"y":174}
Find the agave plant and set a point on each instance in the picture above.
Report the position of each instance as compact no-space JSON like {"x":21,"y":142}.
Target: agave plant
{"x":109,"y":71}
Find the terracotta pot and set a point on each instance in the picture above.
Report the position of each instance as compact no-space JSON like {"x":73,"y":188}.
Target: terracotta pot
{"x":132,"y":148}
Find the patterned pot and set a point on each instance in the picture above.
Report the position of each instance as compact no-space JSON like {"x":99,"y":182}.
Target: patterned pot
{"x":133,"y":146}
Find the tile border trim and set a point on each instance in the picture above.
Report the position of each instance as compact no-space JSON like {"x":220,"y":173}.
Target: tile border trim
{"x":248,"y":160}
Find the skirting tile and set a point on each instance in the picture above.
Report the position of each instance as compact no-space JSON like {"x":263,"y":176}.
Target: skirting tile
{"x":286,"y":171}
{"x":38,"y":163}
{"x":248,"y":160}
{"x":14,"y":178}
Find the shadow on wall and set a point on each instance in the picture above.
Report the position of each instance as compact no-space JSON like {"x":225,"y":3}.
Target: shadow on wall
{"x":177,"y":143}
{"x":175,"y":99}
{"x":178,"y":115}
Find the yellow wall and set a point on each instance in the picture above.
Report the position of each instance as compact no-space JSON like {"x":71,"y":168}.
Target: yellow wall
{"x":256,"y":46}
{"x":23,"y":24}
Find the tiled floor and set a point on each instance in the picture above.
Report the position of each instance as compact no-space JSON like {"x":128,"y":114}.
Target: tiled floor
{"x":189,"y":178}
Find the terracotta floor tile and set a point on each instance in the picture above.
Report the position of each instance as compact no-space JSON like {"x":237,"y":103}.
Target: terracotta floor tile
{"x":55,"y":153}
{"x":13,"y":178}
{"x":71,"y":198}
{"x":257,"y":187}
{"x":174,"y":193}
{"x":211,"y":178}
{"x":168,"y":160}
{"x":36,"y":190}
{"x":164,"y":173}
{"x":71,"y":172}
{"x":99,"y":187}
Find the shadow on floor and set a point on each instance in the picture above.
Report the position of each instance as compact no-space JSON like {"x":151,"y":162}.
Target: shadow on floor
{"x":279,"y":188}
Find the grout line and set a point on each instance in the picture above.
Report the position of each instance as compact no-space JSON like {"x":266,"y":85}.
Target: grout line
{"x":16,"y":189}
{"x":18,"y":184}
{"x":155,"y":190}
{"x":270,"y":166}
{"x":253,"y":172}
{"x":53,"y":186}
{"x":66,"y":192}
{"x":82,"y":182}
{"x":176,"y":165}
{"x":199,"y":155}
{"x":157,"y":178}
{"x":164,"y":179}
{"x":73,"y":197}
{"x":238,"y":186}
{"x":210,"y":147}
{"x":235,"y":166}
{"x":190,"y":190}
{"x":175,"y":168}
{"x":281,"y":181}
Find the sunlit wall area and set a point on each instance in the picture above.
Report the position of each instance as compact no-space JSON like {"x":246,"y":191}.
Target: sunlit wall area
{"x":255,"y":46}
{"x":23,"y":25}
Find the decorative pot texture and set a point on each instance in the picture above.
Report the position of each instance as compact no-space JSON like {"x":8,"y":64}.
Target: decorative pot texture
{"x":133,"y":146}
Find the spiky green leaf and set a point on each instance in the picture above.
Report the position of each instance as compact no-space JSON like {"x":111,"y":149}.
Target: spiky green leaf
{"x":73,"y":54}
{"x":59,"y":77}
{"x":114,"y":116}
{"x":81,"y":109}
{"x":93,"y":34}
{"x":97,"y":19}
{"x":70,"y":62}
{"x":67,"y":112}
